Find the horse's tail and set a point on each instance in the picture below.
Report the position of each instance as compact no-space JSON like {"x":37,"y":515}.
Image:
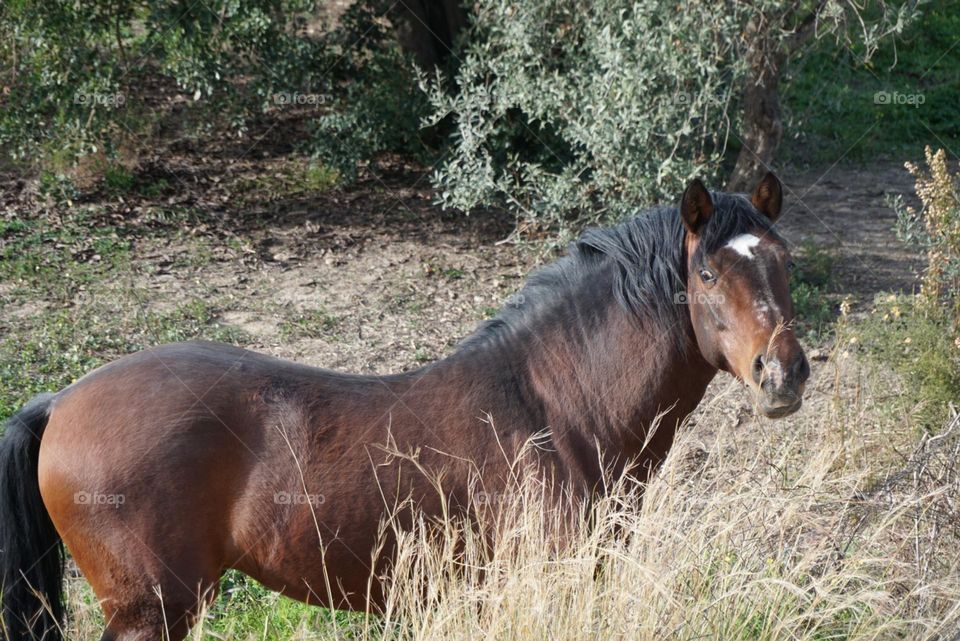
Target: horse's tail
{"x":31,"y":552}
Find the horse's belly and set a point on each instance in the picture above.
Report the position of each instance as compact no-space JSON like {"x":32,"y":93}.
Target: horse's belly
{"x":332,"y":544}
{"x":331,"y":556}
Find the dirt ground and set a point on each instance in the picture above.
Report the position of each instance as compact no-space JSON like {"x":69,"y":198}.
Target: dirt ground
{"x":845,"y":210}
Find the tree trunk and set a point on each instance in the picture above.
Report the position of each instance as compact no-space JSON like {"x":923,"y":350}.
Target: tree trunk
{"x":762,"y":124}
{"x":427,"y":29}
{"x":768,"y":52}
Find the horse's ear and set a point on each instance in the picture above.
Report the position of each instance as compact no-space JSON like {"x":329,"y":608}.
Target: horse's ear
{"x":696,"y":205}
{"x":768,"y":196}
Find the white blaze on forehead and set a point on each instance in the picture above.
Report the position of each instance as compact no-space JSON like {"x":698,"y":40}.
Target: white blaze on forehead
{"x":744,"y":244}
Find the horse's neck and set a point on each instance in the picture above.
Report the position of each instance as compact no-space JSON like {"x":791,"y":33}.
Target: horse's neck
{"x":581,"y":368}
{"x":604,"y":388}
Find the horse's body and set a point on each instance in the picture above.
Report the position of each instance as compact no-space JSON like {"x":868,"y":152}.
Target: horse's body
{"x":164,"y":468}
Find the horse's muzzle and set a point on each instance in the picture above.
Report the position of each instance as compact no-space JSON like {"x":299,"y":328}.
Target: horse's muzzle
{"x":780,"y":406}
{"x":781,"y":388}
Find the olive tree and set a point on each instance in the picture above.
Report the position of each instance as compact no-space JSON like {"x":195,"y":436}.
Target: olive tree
{"x":582,"y":110}
{"x":777,"y":31}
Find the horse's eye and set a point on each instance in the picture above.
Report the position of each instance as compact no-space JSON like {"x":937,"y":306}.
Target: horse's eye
{"x":707,"y":276}
{"x":791,"y":266}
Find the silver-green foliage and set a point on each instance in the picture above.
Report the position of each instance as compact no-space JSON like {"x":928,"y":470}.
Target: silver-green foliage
{"x":81,"y":77}
{"x":580,"y":109}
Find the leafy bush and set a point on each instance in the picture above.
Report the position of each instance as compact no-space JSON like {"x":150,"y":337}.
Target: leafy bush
{"x":919,"y":335}
{"x":564,"y":111}
{"x":380,"y":108}
{"x":80,"y":78}
{"x":558,"y":108}
{"x":75,"y":70}
{"x":903,"y":335}
{"x":57,"y":83}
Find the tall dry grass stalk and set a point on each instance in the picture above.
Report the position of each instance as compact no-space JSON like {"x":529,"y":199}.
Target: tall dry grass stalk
{"x":771,"y":531}
{"x":806,"y":528}
{"x":937,"y":188}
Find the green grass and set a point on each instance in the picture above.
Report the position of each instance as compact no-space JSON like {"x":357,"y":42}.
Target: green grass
{"x":248,"y":610}
{"x":155,"y":188}
{"x":810,"y":283}
{"x":177,"y":217}
{"x":57,"y":257}
{"x":316,"y":323}
{"x":918,"y":345}
{"x":118,"y":179}
{"x":70,"y":303}
{"x":829,"y":97}
{"x":293,"y":179}
{"x":317,"y":177}
{"x":244,"y":610}
{"x":53,"y":256}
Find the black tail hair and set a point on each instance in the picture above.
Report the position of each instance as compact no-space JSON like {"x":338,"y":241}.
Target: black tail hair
{"x":31,"y":552}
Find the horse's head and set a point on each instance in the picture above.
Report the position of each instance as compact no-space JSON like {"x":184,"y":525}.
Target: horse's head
{"x":739,"y":294}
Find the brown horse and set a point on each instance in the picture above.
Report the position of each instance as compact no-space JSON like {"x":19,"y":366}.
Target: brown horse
{"x":161,"y":470}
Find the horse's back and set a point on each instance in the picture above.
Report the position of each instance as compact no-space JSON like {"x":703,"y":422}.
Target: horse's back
{"x":185,"y":363}
{"x":172,"y":386}
{"x":150,"y":396}
{"x":179,"y":406}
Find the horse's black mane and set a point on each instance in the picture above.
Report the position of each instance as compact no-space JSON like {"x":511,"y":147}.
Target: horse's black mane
{"x":650,"y":274}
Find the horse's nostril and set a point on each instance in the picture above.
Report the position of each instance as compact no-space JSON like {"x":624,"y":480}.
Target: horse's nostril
{"x":802,"y":369}
{"x":758,"y":369}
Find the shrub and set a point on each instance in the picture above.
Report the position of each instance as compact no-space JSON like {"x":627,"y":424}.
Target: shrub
{"x":919,"y":335}
{"x":936,"y":229}
{"x":581,"y":111}
{"x":558,"y":108}
{"x":903,"y":335}
{"x":380,"y":109}
{"x":78,"y":78}
{"x":75,"y":70}
{"x":809,"y":284}
{"x":56,"y":82}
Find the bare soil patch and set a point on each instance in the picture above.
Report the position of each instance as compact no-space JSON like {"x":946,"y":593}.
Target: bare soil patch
{"x":845,"y":209}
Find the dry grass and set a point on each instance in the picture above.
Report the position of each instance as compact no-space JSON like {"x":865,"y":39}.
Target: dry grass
{"x":809,"y":528}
